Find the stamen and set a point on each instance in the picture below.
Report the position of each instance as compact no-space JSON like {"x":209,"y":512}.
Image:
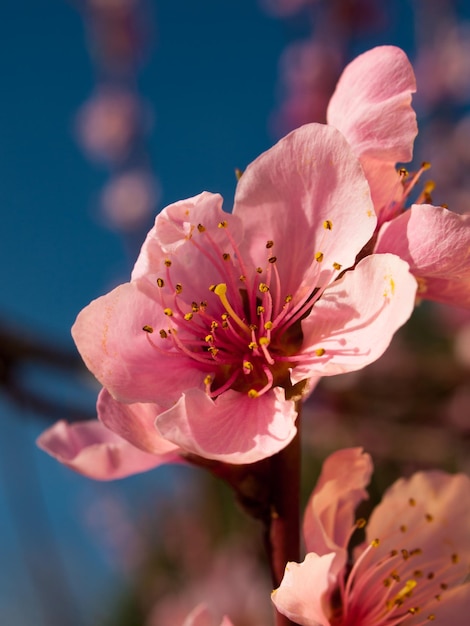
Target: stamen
{"x":148,"y":329}
{"x":221,"y":291}
{"x":327,"y":224}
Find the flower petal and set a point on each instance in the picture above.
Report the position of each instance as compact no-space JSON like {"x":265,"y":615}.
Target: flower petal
{"x":372,"y":108}
{"x":330,"y":513}
{"x":436,"y":244}
{"x":372,"y":105}
{"x":131,"y":364}
{"x":302,"y":594}
{"x":233,"y":428}
{"x":452,"y":609}
{"x":91,"y":449}
{"x":355,"y":319}
{"x":133,"y":422}
{"x":430,"y":510}
{"x":201,"y":616}
{"x":310,"y":192}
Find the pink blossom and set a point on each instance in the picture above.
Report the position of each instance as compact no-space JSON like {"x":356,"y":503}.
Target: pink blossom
{"x":227,"y":317}
{"x":409,"y":570}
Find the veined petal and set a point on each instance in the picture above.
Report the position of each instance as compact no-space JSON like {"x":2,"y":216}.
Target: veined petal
{"x":372,"y":105}
{"x":330,"y":513}
{"x":452,"y":609}
{"x":307,"y":192}
{"x":303,"y":593}
{"x":91,"y":449}
{"x":174,"y":227}
{"x":132,"y":365}
{"x":435,"y":243}
{"x":355,"y":319}
{"x":134,"y":422}
{"x":232,"y":428}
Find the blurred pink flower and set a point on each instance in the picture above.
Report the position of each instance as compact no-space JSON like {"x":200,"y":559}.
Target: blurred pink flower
{"x":412,"y":567}
{"x":107,"y":124}
{"x":129,"y":199}
{"x":201,"y":616}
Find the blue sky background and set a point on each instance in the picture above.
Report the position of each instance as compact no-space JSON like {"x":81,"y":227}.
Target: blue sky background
{"x":211,"y":80}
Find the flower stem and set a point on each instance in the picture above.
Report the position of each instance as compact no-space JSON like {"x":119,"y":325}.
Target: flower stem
{"x":283,"y":530}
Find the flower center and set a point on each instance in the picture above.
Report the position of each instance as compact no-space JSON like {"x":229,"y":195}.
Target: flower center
{"x":246,"y":334}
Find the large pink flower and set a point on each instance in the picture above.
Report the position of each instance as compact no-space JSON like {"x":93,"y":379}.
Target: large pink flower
{"x":412,"y":567}
{"x":372,"y":108}
{"x":228,"y":316}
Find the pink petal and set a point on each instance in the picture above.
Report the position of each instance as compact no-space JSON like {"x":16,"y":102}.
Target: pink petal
{"x":173,"y":229}
{"x":303,"y":593}
{"x":330,"y":512}
{"x":91,"y":449}
{"x":372,"y":105}
{"x":109,"y":336}
{"x":286,"y":196}
{"x":372,"y":108}
{"x":356,"y":318}
{"x":436,"y":244}
{"x":403,"y":516}
{"x":133,"y":422}
{"x":452,"y":609}
{"x":233,"y":428}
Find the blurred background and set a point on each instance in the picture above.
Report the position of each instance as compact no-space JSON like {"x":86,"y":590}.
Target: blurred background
{"x":110,"y":110}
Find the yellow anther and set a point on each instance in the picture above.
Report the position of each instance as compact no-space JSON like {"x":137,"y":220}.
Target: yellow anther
{"x":160,"y":282}
{"x":431,"y":617}
{"x":208,"y":380}
{"x":214,"y":325}
{"x":194,"y":307}
{"x":226,"y":256}
{"x":163,"y":334}
{"x":263,"y":341}
{"x":320,"y":351}
{"x":327,"y":224}
{"x":288,"y":299}
{"x":269,"y":244}
{"x":168,"y":312}
{"x":203,"y":305}
{"x":375,"y":543}
{"x":429,"y":186}
{"x":413,"y":610}
{"x":223,"y":224}
{"x":259,"y":270}
{"x":212,"y":287}
{"x":252,"y":345}
{"x":221,"y":291}
{"x":405,"y":554}
{"x":403,"y":528}
{"x":247,"y":366}
{"x":238,"y":173}
{"x":454,"y":558}
{"x":418,"y":573}
{"x":201,"y":228}
{"x":178,"y":287}
{"x":212,"y":350}
{"x":208,"y":338}
{"x":259,"y":309}
{"x":319,"y":257}
{"x":268,"y":325}
{"x":393,"y":552}
{"x":242,"y":278}
{"x":188,"y":316}
{"x":416,"y":552}
{"x":253,"y":393}
{"x":263,"y":287}
{"x":406,"y":589}
{"x":412,"y":502}
{"x":361,"y":522}
{"x":425,"y":165}
{"x":403,"y":172}
{"x":224,"y":317}
{"x":337,"y":266}
{"x":253,"y":327}
{"x":272,"y":259}
{"x":167,"y":262}
{"x":429,"y":517}
{"x":147,"y":328}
